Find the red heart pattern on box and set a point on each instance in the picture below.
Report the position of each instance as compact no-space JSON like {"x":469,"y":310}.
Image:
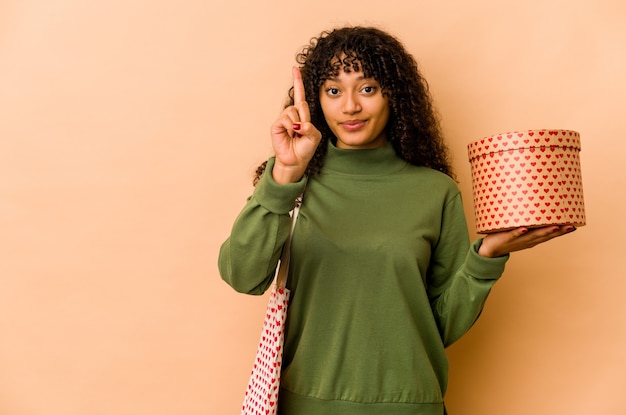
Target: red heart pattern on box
{"x":262,"y":392}
{"x":527,"y":178}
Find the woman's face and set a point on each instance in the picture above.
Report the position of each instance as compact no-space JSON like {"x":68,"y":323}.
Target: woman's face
{"x":356,"y":110}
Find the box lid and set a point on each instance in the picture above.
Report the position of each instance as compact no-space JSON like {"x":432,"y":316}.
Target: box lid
{"x":566,"y":139}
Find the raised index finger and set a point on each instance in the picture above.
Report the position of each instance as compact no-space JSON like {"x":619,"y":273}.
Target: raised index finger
{"x":298,"y":86}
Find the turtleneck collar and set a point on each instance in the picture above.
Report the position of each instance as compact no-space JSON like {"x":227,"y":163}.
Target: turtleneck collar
{"x":367,"y":162}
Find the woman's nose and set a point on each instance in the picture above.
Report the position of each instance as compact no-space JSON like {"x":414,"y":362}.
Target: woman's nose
{"x":351,"y":104}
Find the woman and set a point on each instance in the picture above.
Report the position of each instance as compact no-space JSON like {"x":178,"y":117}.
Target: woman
{"x":382,"y":274}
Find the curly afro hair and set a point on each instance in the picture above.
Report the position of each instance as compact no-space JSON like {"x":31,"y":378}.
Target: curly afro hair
{"x":413,"y":126}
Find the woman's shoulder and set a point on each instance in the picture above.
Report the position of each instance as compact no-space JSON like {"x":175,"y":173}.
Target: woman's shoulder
{"x":432,"y":177}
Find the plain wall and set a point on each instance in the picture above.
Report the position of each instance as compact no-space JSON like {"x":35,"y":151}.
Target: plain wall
{"x":129,"y":131}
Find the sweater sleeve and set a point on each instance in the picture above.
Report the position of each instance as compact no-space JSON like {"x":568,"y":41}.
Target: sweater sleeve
{"x":459,"y":280}
{"x":248,"y":258}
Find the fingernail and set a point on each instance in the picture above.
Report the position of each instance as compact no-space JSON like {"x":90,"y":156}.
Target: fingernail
{"x":571,"y":229}
{"x":523,"y":230}
{"x":297,"y":126}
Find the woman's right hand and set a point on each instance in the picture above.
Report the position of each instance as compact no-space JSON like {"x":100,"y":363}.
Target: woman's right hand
{"x":294,"y":138}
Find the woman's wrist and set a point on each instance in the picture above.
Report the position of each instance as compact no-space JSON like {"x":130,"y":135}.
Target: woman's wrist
{"x":284,"y":174}
{"x":486,"y":252}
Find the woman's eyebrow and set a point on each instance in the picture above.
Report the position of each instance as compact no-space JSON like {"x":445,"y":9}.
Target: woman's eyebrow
{"x":359,"y":78}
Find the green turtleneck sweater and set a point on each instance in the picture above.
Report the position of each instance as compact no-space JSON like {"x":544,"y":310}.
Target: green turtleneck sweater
{"x":382,"y":279}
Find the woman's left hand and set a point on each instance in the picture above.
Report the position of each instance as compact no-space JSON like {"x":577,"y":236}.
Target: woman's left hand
{"x":501,"y":243}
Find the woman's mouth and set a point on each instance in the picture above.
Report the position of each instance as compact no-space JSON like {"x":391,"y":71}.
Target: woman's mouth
{"x":352,"y":125}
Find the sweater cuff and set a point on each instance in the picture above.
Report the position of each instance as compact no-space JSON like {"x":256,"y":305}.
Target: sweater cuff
{"x":277,"y":198}
{"x":484,"y":268}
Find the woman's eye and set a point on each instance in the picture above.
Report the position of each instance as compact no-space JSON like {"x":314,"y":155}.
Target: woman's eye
{"x":332,"y":91}
{"x":369,"y":89}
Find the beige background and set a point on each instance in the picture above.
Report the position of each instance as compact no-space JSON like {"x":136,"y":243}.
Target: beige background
{"x":129,"y":131}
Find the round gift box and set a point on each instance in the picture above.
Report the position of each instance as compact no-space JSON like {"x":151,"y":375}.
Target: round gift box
{"x":527,"y":178}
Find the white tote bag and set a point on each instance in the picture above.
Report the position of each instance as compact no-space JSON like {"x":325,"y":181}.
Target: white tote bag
{"x":261,"y":396}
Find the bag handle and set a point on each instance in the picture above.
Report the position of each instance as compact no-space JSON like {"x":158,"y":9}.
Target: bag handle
{"x":283,"y":268}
